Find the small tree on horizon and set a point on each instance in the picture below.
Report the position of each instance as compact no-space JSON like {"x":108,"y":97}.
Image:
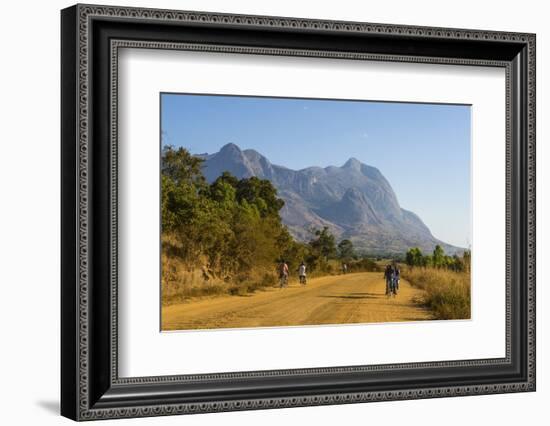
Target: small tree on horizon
{"x":346,"y":250}
{"x":414,"y":257}
{"x":324,"y":245}
{"x":438,"y":257}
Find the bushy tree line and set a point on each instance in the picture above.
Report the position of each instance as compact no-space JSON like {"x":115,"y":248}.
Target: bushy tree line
{"x":438,"y":259}
{"x":232,"y":226}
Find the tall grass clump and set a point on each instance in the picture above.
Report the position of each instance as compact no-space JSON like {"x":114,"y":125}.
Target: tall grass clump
{"x":447,"y":293}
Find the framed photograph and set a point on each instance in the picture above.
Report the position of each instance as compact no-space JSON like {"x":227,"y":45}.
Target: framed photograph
{"x":263,"y":212}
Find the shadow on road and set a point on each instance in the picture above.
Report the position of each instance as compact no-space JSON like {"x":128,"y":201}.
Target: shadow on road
{"x":353,"y":296}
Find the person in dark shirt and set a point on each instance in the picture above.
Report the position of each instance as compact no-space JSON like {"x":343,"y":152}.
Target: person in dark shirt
{"x":388,"y":275}
{"x":397,"y":277}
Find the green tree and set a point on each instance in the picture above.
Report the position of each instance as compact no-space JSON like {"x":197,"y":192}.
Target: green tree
{"x":414,"y":257}
{"x":181,"y":182}
{"x":438,"y":257}
{"x":223,"y":191}
{"x":293,"y":252}
{"x":345,"y":250}
{"x":324,"y":245}
{"x":262,"y":194}
{"x":182,"y":167}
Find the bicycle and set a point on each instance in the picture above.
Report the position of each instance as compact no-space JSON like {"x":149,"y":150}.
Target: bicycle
{"x":393,"y":287}
{"x":283,"y":281}
{"x":391,"y":290}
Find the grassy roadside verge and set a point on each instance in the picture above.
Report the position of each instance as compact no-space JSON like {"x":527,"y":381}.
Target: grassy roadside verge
{"x":447,"y":293}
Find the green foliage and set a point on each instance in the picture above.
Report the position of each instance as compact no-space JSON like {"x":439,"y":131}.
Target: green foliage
{"x":438,"y":259}
{"x":324,"y":246}
{"x":364,"y":264}
{"x":414,"y":257}
{"x":260,"y":193}
{"x":345,"y":250}
{"x":230,"y":227}
{"x":294,"y":252}
{"x":181,"y":167}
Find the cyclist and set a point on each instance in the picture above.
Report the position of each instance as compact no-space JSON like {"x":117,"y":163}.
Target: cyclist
{"x":396,"y":277}
{"x":283,"y":274}
{"x":388,"y":275}
{"x":302,"y":273}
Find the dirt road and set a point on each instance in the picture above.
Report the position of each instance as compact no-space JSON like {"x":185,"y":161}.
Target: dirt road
{"x":342,"y":299}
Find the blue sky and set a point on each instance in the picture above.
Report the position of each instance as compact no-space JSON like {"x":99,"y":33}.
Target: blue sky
{"x":422,"y":149}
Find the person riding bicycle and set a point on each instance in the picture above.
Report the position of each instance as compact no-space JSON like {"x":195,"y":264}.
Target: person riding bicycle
{"x":302,"y":273}
{"x":389,"y":276}
{"x":396,"y":277}
{"x":344,"y":268}
{"x":283,"y":273}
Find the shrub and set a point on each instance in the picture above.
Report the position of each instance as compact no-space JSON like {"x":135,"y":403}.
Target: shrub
{"x":364,"y":264}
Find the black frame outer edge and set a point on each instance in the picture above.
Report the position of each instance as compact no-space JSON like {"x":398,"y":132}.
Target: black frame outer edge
{"x":105,"y":395}
{"x":69,"y":271}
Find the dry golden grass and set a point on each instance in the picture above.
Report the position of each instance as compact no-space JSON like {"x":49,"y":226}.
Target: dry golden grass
{"x":181,"y":282}
{"x":447,"y":293}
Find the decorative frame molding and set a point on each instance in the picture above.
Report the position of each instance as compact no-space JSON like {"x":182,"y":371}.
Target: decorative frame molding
{"x":91,"y":37}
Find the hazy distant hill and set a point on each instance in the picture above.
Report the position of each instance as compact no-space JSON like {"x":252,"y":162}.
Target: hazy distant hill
{"x":355,"y":201}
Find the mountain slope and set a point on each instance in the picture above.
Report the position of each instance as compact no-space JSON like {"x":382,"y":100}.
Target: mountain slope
{"x":355,"y":201}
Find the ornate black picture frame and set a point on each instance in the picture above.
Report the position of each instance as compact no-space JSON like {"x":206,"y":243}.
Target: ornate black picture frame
{"x":91,"y":387}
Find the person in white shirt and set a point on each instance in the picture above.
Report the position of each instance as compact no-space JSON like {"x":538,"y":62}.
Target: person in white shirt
{"x":302,"y":273}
